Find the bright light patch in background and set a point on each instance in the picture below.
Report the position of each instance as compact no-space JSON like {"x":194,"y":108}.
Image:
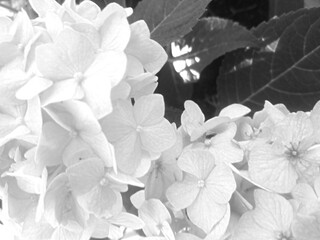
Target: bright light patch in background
{"x":184,"y":66}
{"x":272,"y":46}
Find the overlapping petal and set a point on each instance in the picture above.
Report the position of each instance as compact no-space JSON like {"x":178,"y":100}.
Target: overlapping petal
{"x":270,"y":168}
{"x":85,"y":175}
{"x":158,"y":137}
{"x":106,"y":71}
{"x":182,"y":194}
{"x":205,"y":212}
{"x":149,"y":110}
{"x":153,"y":57}
{"x":199,"y":163}
{"x":220,"y":184}
{"x":271,"y":218}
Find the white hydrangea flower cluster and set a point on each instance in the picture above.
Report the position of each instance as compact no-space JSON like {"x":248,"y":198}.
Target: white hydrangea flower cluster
{"x":63,"y":170}
{"x":79,"y":122}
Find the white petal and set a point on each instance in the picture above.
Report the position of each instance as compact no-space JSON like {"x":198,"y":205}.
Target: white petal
{"x":54,"y":24}
{"x":128,"y":153}
{"x":101,"y":229}
{"x":137,"y":199}
{"x":304,"y":193}
{"x":125,"y":179}
{"x":269,"y":167}
{"x":89,"y":31}
{"x":274,"y":114}
{"x":192,"y":117}
{"x":88,"y":10}
{"x":149,"y":110}
{"x":211,"y":124}
{"x":306,"y":227}
{"x":182,"y":194}
{"x":127,"y":220}
{"x":33,"y":87}
{"x":101,"y":146}
{"x":85,"y":175}
{"x":61,"y":91}
{"x":159,"y":137}
{"x":57,"y":66}
{"x":78,"y":47}
{"x":167,"y":231}
{"x":220,"y":184}
{"x":317,"y":186}
{"x":153,"y":57}
{"x":75,"y":151}
{"x":33,"y":116}
{"x":43,"y":6}
{"x":115,"y":31}
{"x":120,"y":122}
{"x":74,"y":115}
{"x":153,"y":213}
{"x":248,"y":228}
{"x":272,"y":211}
{"x":106,"y":12}
{"x":220,"y":228}
{"x":294,"y":128}
{"x":197,"y":162}
{"x":234,"y":111}
{"x":205,"y":213}
{"x":99,"y":201}
{"x":106,"y":72}
{"x":52,"y":142}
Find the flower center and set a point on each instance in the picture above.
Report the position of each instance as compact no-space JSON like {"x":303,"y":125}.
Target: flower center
{"x":73,"y":134}
{"x":284,"y":236}
{"x":78,"y":76}
{"x":201,"y":183}
{"x":139,"y":128}
{"x":293,"y":152}
{"x":20,"y":120}
{"x":104,"y":181}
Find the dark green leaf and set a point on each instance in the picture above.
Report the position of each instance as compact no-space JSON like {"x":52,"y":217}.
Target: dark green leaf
{"x":311,"y":3}
{"x":279,"y":7}
{"x":210,"y":38}
{"x":169,"y":20}
{"x":173,"y":115}
{"x":172,"y":87}
{"x":286,"y":70}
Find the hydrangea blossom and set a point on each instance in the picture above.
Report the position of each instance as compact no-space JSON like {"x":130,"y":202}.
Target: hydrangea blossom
{"x":205,"y":190}
{"x":138,"y":131}
{"x":14,"y":37}
{"x":290,"y":156}
{"x":97,"y":188}
{"x":155,"y":215}
{"x":80,"y":125}
{"x":163,"y":172}
{"x":270,"y":220}
{"x":307,"y":197}
{"x":78,"y":72}
{"x":57,"y":84}
{"x":216,"y":134}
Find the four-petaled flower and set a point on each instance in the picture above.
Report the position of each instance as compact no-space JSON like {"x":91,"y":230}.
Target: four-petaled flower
{"x":205,"y":189}
{"x":138,"y":132}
